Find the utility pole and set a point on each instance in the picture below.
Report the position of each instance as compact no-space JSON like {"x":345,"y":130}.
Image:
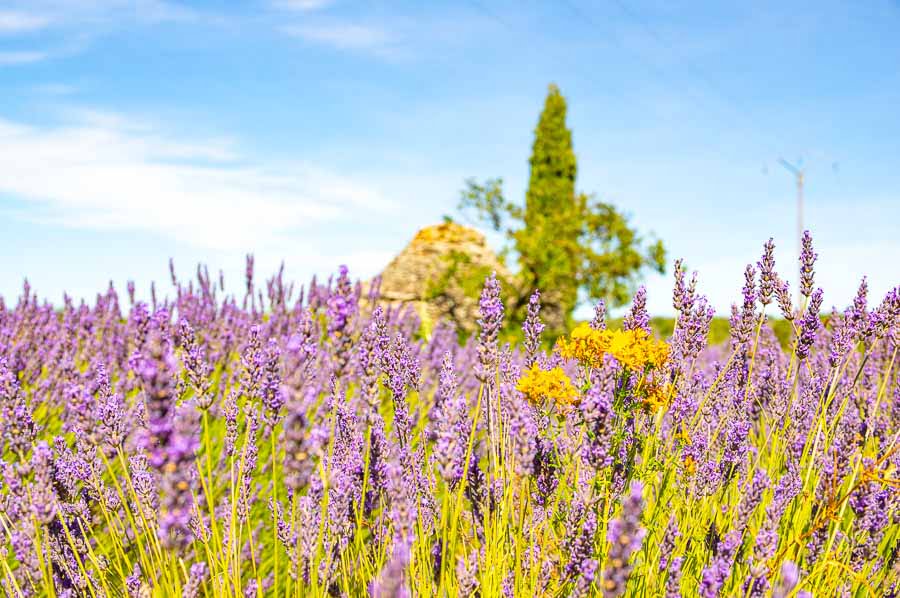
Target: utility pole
{"x":798,"y":175}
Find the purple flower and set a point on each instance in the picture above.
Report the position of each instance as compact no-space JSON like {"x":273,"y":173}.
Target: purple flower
{"x":691,"y":331}
{"x":491,"y":320}
{"x":767,"y":275}
{"x":719,"y":570}
{"x":195,"y":580}
{"x":599,"y":419}
{"x":391,"y":582}
{"x":750,"y":499}
{"x":581,"y":524}
{"x":195,"y":364}
{"x":177,"y":498}
{"x":523,"y":433}
{"x":452,"y":433}
{"x":809,"y":325}
{"x":638,"y":318}
{"x":667,"y":545}
{"x":598,"y":322}
{"x":272,"y":394}
{"x":402,"y":368}
{"x":736,"y":446}
{"x":373,"y":344}
{"x":680,"y":289}
{"x":298,"y":463}
{"x":783,"y":294}
{"x":673,"y":579}
{"x":248,"y":462}
{"x":625,"y":535}
{"x":341,"y":304}
{"x":858,"y":314}
{"x":871,"y":505}
{"x":44,"y":502}
{"x":744,"y":318}
{"x":807,"y":263}
{"x":133,"y":582}
{"x":157,"y":374}
{"x":533,"y":327}
{"x":17,"y":427}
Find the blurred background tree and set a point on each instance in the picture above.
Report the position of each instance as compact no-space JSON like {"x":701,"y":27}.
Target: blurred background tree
{"x":569,"y":245}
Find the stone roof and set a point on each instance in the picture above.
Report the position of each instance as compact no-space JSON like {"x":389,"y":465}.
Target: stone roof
{"x":411,"y":276}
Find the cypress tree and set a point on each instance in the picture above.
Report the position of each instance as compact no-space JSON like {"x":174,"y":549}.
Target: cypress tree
{"x":548,"y":244}
{"x":567,"y":243}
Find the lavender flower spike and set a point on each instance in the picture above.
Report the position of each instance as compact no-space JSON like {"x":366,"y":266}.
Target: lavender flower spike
{"x":807,"y":263}
{"x":533,"y":327}
{"x":625,"y":536}
{"x":491,"y":310}
{"x":767,"y":275}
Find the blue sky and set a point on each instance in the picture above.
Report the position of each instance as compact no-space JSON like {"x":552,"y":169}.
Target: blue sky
{"x":323,"y":132}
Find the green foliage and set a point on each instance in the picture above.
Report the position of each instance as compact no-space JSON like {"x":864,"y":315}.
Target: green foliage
{"x":458,"y":281}
{"x":569,"y":245}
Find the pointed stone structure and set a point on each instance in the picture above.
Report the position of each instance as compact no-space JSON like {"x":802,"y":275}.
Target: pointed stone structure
{"x":440,"y":272}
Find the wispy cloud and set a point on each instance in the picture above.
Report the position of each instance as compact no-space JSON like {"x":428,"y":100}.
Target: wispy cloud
{"x":72,"y":25}
{"x":19,"y":57}
{"x":302,"y":5}
{"x":343,"y":36}
{"x":21,"y":22}
{"x":55,"y":89}
{"x":107,"y":172}
{"x":33,"y":14}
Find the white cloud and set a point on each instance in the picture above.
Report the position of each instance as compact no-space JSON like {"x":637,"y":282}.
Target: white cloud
{"x":21,"y":22}
{"x":343,"y":36}
{"x":14,"y":58}
{"x":105,"y":172}
{"x":302,"y":5}
{"x":55,"y":89}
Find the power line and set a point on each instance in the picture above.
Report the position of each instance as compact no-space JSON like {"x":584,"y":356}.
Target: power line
{"x":491,"y":14}
{"x":727,"y":99}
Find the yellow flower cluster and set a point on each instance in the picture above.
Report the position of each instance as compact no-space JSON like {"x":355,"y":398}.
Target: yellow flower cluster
{"x":634,"y":349}
{"x":537,"y":384}
{"x":656,"y":397}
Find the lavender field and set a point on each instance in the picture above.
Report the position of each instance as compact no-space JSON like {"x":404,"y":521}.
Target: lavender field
{"x":313,"y":441}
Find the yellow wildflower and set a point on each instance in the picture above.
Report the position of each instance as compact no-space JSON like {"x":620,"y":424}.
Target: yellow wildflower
{"x":586,"y":345}
{"x":690,"y":466}
{"x":657,"y":353}
{"x":629,"y":348}
{"x":555,"y":385}
{"x":657,"y":396}
{"x":634,"y":349}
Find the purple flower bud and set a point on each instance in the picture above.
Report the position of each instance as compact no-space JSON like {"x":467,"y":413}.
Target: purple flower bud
{"x":719,"y":570}
{"x":599,"y":420}
{"x":807,"y":263}
{"x":767,"y":276}
{"x":673,"y":580}
{"x":532,"y":327}
{"x":491,"y":311}
{"x":638,"y":317}
{"x":667,"y":545}
{"x":750,"y":499}
{"x":599,"y":320}
{"x":783,"y":294}
{"x":809,"y":325}
{"x":579,"y":546}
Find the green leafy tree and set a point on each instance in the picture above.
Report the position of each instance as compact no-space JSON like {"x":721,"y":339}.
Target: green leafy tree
{"x":570,"y":245}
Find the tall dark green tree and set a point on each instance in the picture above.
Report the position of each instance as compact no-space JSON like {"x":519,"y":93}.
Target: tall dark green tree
{"x":548,"y":243}
{"x":569,"y":245}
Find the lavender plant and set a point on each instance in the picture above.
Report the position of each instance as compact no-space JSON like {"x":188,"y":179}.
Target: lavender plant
{"x":322,"y":443}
